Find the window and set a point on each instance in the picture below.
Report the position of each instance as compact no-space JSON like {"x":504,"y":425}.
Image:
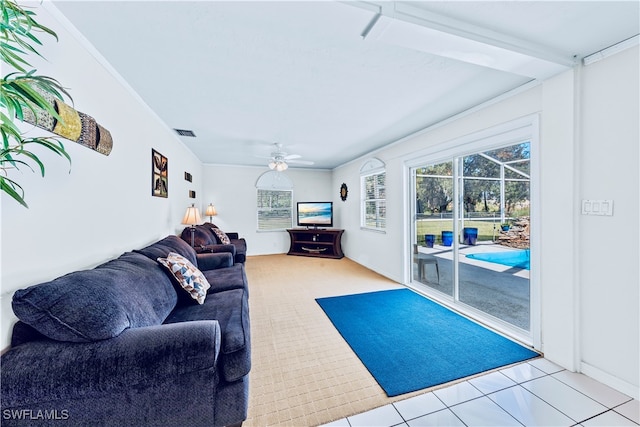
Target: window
{"x":275,"y":209}
{"x":372,"y":182}
{"x":274,"y":201}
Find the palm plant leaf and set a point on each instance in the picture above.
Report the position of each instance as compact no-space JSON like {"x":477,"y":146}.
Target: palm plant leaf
{"x":23,"y":90}
{"x":17,"y":27}
{"x":13,"y":189}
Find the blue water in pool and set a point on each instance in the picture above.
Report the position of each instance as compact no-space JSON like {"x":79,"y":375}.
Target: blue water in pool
{"x":519,"y":258}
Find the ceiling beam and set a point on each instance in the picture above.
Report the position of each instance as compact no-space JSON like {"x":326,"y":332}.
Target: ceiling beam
{"x":405,"y":11}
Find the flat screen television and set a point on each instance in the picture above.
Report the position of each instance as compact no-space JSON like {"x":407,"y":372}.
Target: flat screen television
{"x":315,"y":214}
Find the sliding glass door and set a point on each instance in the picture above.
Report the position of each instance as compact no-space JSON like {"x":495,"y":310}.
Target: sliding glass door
{"x":470,"y":234}
{"x":433,"y":225}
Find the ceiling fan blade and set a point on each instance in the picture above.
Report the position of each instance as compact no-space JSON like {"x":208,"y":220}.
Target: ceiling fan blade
{"x":300,"y":162}
{"x":292,"y":156}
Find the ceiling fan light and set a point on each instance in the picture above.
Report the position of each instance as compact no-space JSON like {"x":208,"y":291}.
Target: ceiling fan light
{"x":272,"y":165}
{"x":281,"y":166}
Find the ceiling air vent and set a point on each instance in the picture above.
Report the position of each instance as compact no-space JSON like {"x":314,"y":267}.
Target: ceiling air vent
{"x":185,"y":132}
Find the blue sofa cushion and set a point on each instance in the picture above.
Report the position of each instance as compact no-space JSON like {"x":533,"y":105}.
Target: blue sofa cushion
{"x":231,"y":309}
{"x":224,"y":279}
{"x":84,"y":306}
{"x":161,"y":249}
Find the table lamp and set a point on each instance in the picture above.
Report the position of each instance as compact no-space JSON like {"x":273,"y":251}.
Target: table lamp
{"x":211,"y":212}
{"x":192,"y":217}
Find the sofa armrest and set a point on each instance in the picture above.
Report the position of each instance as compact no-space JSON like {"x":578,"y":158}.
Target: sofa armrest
{"x":149,"y":364}
{"x":214,"y":261}
{"x":216,"y":249}
{"x":233,"y":235}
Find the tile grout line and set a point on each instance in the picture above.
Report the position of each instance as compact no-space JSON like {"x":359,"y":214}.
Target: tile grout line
{"x":516,"y":384}
{"x":577,"y":422}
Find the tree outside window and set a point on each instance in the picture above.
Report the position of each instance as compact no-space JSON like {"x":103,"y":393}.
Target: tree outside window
{"x":275,"y":209}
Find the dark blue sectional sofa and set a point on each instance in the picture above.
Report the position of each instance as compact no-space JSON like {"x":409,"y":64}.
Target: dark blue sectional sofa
{"x":124,"y":345}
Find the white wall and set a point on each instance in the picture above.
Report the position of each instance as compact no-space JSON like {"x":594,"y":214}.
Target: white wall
{"x":558,"y":187}
{"x":608,"y":251}
{"x":588,"y":265}
{"x":232,"y":190}
{"x":104,"y":206}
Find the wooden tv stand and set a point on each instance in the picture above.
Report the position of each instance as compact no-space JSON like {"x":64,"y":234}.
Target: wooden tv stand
{"x":316,"y":242}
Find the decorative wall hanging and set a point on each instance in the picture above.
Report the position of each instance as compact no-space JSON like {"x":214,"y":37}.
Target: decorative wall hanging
{"x":104,"y":142}
{"x":344,"y":191}
{"x":188,"y":177}
{"x":192,"y":194}
{"x":70,"y":126}
{"x":88,"y":131}
{"x":74,"y":126}
{"x":159,"y":175}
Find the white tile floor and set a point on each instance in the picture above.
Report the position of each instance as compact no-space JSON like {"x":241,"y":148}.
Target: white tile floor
{"x":534,"y":393}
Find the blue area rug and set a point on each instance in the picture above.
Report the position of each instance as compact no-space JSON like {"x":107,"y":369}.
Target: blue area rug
{"x":519,"y":259}
{"x":408,"y":342}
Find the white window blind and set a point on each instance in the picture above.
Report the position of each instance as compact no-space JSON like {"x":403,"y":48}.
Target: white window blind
{"x":374,"y":209}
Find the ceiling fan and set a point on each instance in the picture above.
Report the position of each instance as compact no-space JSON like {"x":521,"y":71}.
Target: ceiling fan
{"x":280,"y":160}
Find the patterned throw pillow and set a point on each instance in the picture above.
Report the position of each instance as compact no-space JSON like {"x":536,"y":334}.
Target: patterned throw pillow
{"x":222,"y":236}
{"x":188,"y":276}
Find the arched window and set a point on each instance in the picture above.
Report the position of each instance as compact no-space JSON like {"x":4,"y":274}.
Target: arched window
{"x":372,"y":184}
{"x":274,"y":201}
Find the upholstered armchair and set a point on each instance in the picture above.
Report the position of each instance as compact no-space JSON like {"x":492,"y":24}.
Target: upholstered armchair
{"x":209,"y":238}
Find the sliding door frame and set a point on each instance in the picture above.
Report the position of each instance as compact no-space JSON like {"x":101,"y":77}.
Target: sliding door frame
{"x":516,"y":131}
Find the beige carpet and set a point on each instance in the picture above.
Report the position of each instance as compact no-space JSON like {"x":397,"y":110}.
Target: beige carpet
{"x":303,"y":373}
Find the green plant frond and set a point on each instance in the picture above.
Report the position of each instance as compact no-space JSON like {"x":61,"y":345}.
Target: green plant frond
{"x":45,"y":83}
{"x":14,"y":163}
{"x":52,"y":144}
{"x":10,"y":132}
{"x":13,"y":60}
{"x":9,"y":186}
{"x":19,"y":114}
{"x":11,"y":51}
{"x":21,"y":26}
{"x":22,"y":91}
{"x":52,"y":86}
{"x":29,"y":94}
{"x":31,"y":156}
{"x":9,"y":127}
{"x":6,"y":157}
{"x":5,"y":139}
{"x":5,"y":13}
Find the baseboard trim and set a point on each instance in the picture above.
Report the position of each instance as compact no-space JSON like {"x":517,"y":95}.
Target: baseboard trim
{"x":610,"y":380}
{"x":381,"y":272}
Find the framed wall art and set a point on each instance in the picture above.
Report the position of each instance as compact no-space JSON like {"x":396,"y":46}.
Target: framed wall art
{"x":159,"y":175}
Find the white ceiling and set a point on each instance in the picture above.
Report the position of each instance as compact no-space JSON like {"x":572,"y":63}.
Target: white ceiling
{"x":243,"y":75}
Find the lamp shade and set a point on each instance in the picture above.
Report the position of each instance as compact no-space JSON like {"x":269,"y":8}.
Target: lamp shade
{"x":192,"y":216}
{"x":211,"y":210}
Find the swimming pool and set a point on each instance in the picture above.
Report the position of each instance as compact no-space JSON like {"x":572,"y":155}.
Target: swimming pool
{"x":518,"y":258}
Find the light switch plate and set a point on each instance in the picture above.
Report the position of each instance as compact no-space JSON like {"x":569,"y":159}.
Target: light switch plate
{"x":597,"y":207}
